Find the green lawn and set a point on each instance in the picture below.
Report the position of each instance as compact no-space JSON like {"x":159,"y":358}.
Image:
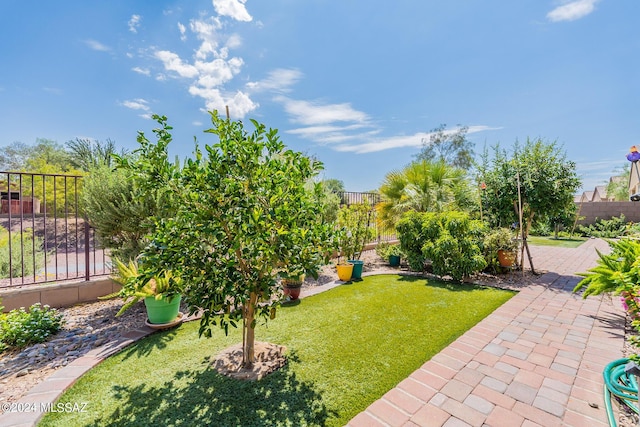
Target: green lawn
{"x":563,"y":242}
{"x":347,"y":347}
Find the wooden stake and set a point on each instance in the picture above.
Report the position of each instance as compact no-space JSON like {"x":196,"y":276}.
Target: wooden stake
{"x":227,"y":107}
{"x":524,"y":235}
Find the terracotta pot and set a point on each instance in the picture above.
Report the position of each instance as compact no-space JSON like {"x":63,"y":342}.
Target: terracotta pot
{"x":293,"y":292}
{"x":506,"y":258}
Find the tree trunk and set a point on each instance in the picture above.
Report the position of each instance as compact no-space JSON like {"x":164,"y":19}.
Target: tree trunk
{"x":248,"y":353}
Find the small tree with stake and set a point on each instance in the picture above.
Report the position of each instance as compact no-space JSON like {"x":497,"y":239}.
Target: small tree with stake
{"x":244,"y":215}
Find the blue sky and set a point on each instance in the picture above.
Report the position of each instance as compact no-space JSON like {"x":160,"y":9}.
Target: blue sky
{"x":358,"y":84}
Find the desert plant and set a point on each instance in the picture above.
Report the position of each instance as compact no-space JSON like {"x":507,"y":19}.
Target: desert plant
{"x":121,"y":212}
{"x":20,"y":327}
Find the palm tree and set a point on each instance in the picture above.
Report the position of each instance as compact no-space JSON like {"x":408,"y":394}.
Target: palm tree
{"x":422,"y":186}
{"x":87,"y":154}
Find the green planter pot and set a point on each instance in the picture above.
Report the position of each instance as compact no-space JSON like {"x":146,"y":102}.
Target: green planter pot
{"x":394,"y":260}
{"x":357,"y":268}
{"x":164,"y":310}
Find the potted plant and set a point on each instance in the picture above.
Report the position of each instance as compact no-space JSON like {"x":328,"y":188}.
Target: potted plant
{"x":390,"y":253}
{"x":394,"y":255}
{"x":292,"y":284}
{"x":161,"y":294}
{"x":355,"y":221}
{"x":501,"y":242}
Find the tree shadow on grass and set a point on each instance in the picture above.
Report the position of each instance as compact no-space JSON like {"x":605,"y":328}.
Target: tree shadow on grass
{"x":206,"y":398}
{"x":154,"y":342}
{"x":450,"y":285}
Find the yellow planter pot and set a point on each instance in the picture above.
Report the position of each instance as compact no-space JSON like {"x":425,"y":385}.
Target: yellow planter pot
{"x":345,"y":271}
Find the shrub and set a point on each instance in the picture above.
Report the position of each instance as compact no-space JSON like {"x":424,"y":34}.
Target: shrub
{"x":120,"y":212}
{"x":411,"y":236}
{"x":19,"y":327}
{"x":25,"y":261}
{"x":450,"y":240}
{"x":384,"y":250}
{"x":541,"y":228}
{"x":605,"y":228}
{"x":355,"y":222}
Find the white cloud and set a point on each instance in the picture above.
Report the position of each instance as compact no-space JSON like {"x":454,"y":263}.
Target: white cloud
{"x":172,"y":62}
{"x":232,"y":8}
{"x":414,"y":141}
{"x":96,"y":45}
{"x":134,"y":23}
{"x":137,"y":104}
{"x":326,"y":124}
{"x":143,"y":71}
{"x":571,"y":11}
{"x":313,"y":113}
{"x":278,"y":80}
{"x":183,"y":31}
{"x":211,"y":67}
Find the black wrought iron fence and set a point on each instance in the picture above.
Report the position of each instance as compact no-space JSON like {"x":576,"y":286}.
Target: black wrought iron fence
{"x":352,"y":197}
{"x":44,"y":235}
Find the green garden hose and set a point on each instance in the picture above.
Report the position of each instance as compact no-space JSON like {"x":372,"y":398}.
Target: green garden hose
{"x":620,"y":384}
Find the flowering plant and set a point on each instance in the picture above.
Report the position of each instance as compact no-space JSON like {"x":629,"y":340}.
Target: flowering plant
{"x":20,"y":327}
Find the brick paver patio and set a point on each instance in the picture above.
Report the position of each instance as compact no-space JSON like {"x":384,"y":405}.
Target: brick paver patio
{"x":535,"y":361}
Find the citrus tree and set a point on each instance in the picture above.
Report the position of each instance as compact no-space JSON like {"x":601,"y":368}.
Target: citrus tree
{"x":243,"y":216}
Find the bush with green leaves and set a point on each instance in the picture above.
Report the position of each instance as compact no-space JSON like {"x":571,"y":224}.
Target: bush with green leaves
{"x":121,"y":213}
{"x":605,"y":228}
{"x":384,"y":250}
{"x":541,"y":228}
{"x":25,"y":261}
{"x":20,"y":327}
{"x":450,"y":240}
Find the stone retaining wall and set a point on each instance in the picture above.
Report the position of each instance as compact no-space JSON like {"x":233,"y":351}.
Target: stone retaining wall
{"x":56,"y":294}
